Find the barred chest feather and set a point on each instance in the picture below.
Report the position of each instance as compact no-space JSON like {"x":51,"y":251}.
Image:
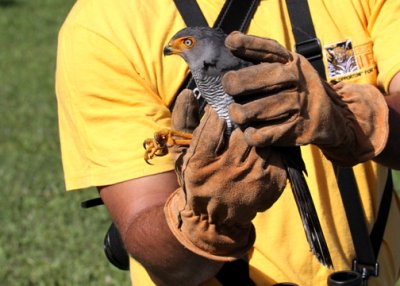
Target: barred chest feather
{"x":211,"y":90}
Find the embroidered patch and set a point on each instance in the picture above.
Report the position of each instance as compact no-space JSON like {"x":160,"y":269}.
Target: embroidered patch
{"x":340,"y":59}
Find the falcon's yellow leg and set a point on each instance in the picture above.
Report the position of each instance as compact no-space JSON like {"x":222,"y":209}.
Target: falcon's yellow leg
{"x":162,"y":140}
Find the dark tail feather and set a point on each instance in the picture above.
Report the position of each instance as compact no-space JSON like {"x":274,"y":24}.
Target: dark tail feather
{"x":305,"y":205}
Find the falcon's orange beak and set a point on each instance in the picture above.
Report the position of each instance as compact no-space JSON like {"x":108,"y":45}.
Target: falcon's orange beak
{"x":172,"y":48}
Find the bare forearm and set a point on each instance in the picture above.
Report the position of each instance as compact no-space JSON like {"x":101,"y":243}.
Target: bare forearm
{"x":391,"y":154}
{"x":136,"y":206}
{"x":149,"y":240}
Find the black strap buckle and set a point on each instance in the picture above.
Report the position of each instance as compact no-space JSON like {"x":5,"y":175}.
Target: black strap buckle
{"x":366,"y":270}
{"x":310,"y":49}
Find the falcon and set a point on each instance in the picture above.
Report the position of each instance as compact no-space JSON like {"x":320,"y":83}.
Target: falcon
{"x":204,"y":51}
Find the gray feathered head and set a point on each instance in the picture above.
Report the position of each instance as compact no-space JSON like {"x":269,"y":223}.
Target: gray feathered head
{"x":203,"y":49}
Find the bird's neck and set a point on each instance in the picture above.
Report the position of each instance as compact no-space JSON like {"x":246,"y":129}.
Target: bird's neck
{"x":209,"y":86}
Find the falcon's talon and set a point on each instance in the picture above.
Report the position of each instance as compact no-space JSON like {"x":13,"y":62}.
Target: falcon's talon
{"x":162,"y":141}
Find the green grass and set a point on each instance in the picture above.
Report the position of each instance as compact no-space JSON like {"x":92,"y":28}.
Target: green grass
{"x":46,"y":239}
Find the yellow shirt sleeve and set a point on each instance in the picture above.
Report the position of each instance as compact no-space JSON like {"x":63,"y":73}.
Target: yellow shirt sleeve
{"x":384,"y":27}
{"x":106,"y":110}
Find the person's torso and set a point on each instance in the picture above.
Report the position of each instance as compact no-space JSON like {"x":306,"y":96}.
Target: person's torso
{"x":142,"y":28}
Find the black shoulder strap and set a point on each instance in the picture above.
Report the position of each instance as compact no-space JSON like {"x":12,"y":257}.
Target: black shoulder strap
{"x":307,"y":43}
{"x":355,"y":214}
{"x":191,"y":13}
{"x":378,"y":230}
{"x":366,"y":246}
{"x":235,"y":15}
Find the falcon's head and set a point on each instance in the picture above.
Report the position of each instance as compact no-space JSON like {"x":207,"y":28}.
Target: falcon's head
{"x":200,"y":47}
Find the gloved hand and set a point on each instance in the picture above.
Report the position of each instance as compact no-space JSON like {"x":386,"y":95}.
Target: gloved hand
{"x":224,"y":183}
{"x":283,"y":101}
{"x":185,"y":118}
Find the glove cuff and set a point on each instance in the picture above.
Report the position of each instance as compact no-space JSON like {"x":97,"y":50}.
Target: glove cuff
{"x":196,"y":233}
{"x":367,"y":130}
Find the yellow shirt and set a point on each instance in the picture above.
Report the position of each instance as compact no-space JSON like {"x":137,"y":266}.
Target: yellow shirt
{"x":114,"y":87}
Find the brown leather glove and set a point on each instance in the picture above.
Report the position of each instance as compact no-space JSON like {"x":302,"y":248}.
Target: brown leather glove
{"x":283,"y":101}
{"x":224,"y":183}
{"x":185,"y":118}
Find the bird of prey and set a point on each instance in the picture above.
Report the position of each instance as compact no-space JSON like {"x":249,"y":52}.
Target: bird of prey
{"x":204,"y":51}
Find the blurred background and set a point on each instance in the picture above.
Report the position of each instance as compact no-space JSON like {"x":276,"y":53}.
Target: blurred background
{"x":45,"y":238}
